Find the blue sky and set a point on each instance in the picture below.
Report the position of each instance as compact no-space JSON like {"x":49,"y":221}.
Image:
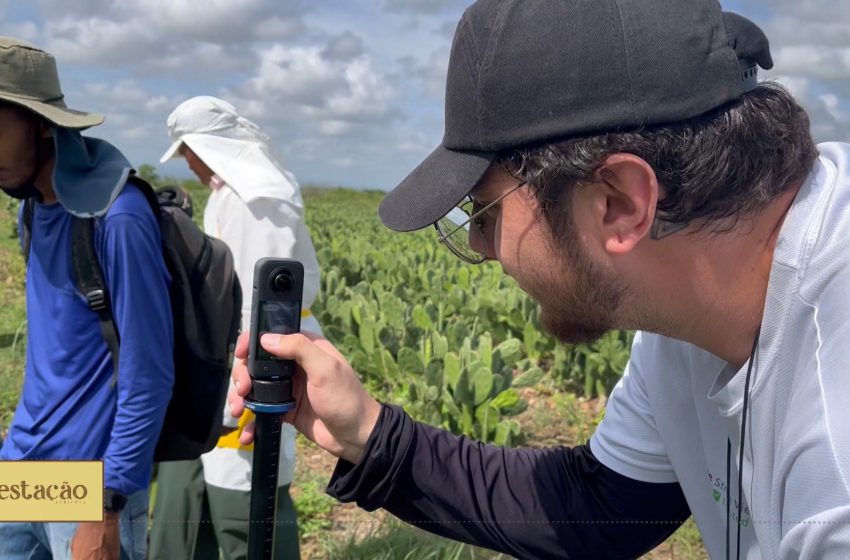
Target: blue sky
{"x":350,"y":90}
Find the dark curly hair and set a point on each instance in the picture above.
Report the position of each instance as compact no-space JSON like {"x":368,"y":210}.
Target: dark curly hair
{"x":714,"y":169}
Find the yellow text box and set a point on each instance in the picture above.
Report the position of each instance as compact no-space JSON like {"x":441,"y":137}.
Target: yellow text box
{"x":51,"y":490}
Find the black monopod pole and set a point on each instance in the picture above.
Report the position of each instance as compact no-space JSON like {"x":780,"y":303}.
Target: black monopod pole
{"x":266,"y":461}
{"x":275,"y":308}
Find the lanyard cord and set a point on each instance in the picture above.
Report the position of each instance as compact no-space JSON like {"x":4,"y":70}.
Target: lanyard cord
{"x":728,"y":491}
{"x":740,"y":454}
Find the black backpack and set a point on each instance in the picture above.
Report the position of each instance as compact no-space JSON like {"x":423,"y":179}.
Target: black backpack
{"x":206,"y":305}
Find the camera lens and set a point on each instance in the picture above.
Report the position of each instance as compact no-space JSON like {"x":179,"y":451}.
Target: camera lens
{"x":282,"y":281}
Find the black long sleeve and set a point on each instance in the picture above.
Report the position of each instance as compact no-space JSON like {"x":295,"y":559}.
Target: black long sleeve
{"x":530,"y":503}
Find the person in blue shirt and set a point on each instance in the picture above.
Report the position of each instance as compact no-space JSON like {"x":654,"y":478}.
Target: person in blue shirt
{"x":74,"y":405}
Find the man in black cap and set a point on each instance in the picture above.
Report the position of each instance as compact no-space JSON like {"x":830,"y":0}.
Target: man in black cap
{"x":622,"y":163}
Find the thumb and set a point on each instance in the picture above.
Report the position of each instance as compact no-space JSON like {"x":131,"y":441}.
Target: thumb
{"x":320,"y":366}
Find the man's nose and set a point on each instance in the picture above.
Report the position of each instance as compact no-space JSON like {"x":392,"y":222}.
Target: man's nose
{"x":480,"y":241}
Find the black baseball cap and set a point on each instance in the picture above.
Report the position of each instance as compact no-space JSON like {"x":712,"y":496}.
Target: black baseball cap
{"x":523,"y":72}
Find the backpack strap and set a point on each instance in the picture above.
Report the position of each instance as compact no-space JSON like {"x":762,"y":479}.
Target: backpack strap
{"x":88,"y":275}
{"x":88,"y":278}
{"x":26,"y":230}
{"x":151,"y":195}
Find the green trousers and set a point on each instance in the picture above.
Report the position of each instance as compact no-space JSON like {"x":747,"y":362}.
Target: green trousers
{"x":195,"y":521}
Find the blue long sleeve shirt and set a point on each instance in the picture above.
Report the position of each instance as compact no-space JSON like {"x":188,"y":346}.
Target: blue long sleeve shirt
{"x":69,"y":407}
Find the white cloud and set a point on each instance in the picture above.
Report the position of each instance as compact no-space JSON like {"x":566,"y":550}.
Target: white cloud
{"x":416,"y":142}
{"x":133,"y":113}
{"x":814,"y":61}
{"x":830,"y":117}
{"x":210,"y":19}
{"x":807,"y":10}
{"x":447,"y":29}
{"x":810,"y":42}
{"x":278,"y":28}
{"x":829,"y":120}
{"x":334,"y":127}
{"x":125,"y":91}
{"x":158,"y":103}
{"x":301,"y":81}
{"x":343,"y":162}
{"x":167,"y":35}
{"x":433,"y":72}
{"x":367,"y":95}
{"x":299,"y":74}
{"x":800,"y":87}
{"x":82,"y":8}
{"x":139,"y":132}
{"x":344,"y":46}
{"x":787,"y":30}
{"x":828,"y":123}
{"x":26,"y":30}
{"x":221,"y":21}
{"x":422,"y":6}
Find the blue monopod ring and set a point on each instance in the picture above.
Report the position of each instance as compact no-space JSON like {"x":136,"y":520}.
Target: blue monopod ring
{"x":269,"y":408}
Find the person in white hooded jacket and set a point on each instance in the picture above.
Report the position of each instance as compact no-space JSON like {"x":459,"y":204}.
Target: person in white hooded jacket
{"x":256,"y":208}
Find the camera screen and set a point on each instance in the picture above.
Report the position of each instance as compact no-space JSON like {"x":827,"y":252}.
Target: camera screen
{"x":279,"y":317}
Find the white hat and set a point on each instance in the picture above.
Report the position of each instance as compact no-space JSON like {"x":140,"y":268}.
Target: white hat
{"x":233,"y":147}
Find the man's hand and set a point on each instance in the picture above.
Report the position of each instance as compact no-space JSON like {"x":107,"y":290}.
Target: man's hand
{"x":332,"y":408}
{"x":97,"y":540}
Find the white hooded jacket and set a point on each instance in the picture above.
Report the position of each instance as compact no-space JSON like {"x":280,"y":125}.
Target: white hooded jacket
{"x":256,"y":208}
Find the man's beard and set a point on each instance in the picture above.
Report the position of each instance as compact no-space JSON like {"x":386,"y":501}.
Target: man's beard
{"x":590,"y":305}
{"x":22,"y":192}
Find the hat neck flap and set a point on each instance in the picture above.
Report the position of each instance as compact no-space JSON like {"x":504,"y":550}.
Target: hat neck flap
{"x":89,"y":172}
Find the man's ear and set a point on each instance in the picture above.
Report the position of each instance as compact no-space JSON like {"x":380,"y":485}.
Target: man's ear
{"x":626,"y":210}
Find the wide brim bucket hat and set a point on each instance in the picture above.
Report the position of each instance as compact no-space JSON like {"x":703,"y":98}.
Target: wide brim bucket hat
{"x":28,"y":77}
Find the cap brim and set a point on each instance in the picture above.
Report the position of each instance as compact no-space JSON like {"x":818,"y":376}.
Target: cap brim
{"x":432,"y":189}
{"x":57,"y":114}
{"x":171,"y":151}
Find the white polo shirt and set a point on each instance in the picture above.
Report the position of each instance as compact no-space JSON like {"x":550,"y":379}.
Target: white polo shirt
{"x":670,"y":417}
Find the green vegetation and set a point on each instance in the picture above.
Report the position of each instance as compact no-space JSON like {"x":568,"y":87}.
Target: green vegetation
{"x":397,"y":541}
{"x":12,"y":312}
{"x":313,"y":505}
{"x":450,"y":341}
